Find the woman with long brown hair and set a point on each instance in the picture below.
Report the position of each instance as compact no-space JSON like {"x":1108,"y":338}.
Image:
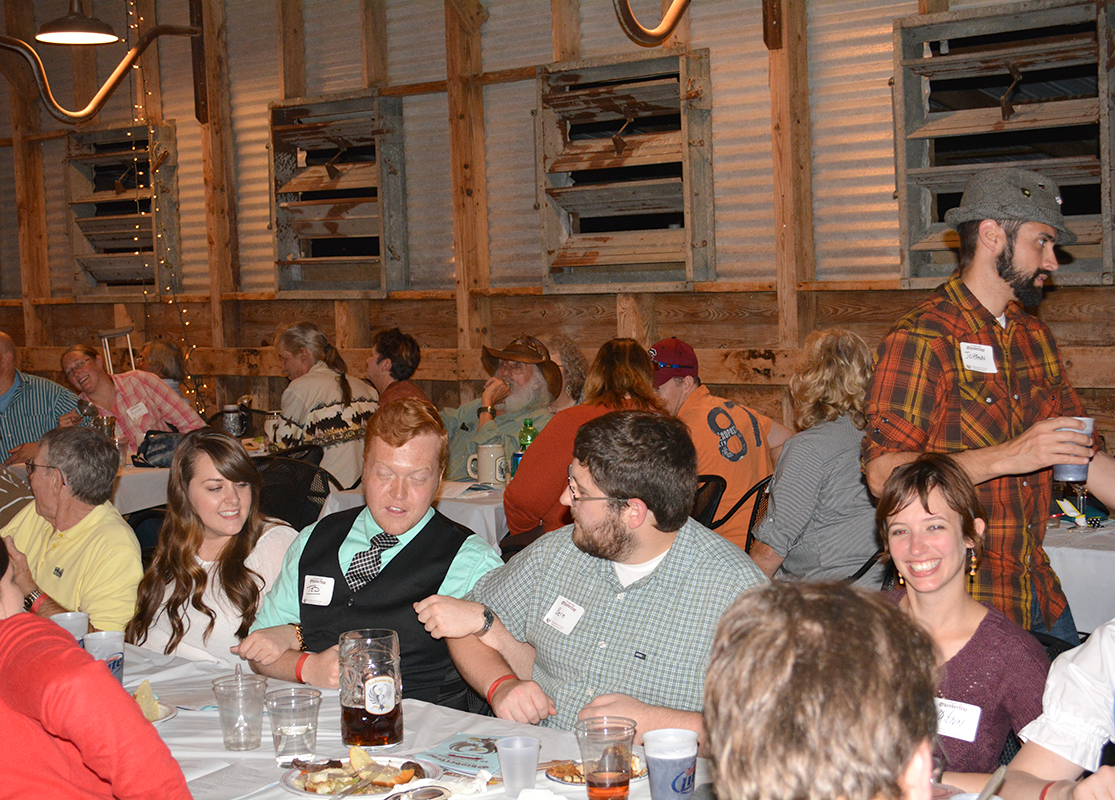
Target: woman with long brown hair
{"x":619,"y":379}
{"x":323,"y":405}
{"x":216,"y":554}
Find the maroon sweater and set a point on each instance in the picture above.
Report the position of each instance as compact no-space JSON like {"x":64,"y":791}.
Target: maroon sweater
{"x":1002,"y":670}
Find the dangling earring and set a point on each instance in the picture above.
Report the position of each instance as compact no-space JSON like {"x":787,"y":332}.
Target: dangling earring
{"x":972,"y":561}
{"x":901,"y":580}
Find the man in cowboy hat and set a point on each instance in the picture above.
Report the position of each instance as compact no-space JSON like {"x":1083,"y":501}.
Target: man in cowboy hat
{"x":524,"y":381}
{"x":969,"y":372}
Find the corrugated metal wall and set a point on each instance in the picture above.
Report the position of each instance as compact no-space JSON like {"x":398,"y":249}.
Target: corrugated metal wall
{"x":513,"y":222}
{"x":415,"y":41}
{"x":429,"y":191}
{"x":333,"y":50}
{"x":517,"y":34}
{"x":854,"y":208}
{"x":254,"y":82}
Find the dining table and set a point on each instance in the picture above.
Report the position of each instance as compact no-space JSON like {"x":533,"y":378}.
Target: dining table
{"x":193,"y":734}
{"x":136,"y":488}
{"x":1084,"y":560}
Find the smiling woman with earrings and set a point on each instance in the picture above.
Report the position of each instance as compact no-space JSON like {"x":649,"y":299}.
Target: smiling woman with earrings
{"x":931,"y":525}
{"x":216,"y":555}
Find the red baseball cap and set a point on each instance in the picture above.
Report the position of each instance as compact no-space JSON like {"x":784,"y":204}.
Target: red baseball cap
{"x":672,"y":358}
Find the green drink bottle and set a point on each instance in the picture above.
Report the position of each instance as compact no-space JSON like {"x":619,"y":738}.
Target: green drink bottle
{"x":527,"y":434}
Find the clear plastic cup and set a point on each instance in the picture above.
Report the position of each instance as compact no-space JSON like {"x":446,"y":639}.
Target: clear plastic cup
{"x":518,"y":762}
{"x":606,"y":755}
{"x":293,"y":715}
{"x":240,"y":704}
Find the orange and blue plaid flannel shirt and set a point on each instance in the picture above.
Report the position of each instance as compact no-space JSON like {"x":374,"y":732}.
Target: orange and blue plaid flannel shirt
{"x":923,"y":399}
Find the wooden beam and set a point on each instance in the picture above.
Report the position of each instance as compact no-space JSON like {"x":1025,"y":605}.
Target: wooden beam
{"x":149,"y":93}
{"x":565,"y":29}
{"x":469,"y":176}
{"x":292,"y":48}
{"x":27,"y":158}
{"x":791,"y":138}
{"x":220,"y":186}
{"x":85,"y":69}
{"x":932,"y":6}
{"x":373,"y":41}
{"x":635,"y":317}
{"x":353,"y":324}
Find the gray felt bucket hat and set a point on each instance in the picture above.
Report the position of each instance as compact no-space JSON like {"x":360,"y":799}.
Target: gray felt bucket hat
{"x":1016,"y":194}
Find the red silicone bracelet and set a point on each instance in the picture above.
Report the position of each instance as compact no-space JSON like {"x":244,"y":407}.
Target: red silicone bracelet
{"x":298,"y":667}
{"x":496,"y":683}
{"x":1045,"y":789}
{"x":42,"y":598}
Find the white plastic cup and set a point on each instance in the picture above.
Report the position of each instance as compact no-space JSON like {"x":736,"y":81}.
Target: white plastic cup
{"x":1075,"y":473}
{"x":107,"y":646}
{"x":671,"y":761}
{"x":76,"y":622}
{"x":518,"y":762}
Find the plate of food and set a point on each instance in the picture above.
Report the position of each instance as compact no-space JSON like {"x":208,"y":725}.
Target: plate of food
{"x":326,"y":778}
{"x":571,"y":771}
{"x":165,"y":712}
{"x":152,"y":709}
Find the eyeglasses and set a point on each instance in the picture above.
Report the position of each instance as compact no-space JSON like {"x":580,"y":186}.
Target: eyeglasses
{"x":512,"y":366}
{"x":574,"y":499}
{"x":69,"y":373}
{"x":32,"y":466}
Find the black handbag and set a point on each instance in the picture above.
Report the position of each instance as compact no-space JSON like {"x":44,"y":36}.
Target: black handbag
{"x":157,"y":449}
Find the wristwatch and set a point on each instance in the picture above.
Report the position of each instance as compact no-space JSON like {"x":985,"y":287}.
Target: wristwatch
{"x":489,"y":618}
{"x":486,"y":410}
{"x":30,"y":599}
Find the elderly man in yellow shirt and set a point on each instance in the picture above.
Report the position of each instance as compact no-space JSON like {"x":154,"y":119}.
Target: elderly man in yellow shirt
{"x":71,"y":549}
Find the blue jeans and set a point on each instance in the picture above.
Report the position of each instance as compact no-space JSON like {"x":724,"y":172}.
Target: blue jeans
{"x":1064,"y":627}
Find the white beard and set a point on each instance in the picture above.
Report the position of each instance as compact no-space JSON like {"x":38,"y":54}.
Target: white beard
{"x":533,"y":394}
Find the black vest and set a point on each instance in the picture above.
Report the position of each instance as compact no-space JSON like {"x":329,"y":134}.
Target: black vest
{"x":416,"y":572}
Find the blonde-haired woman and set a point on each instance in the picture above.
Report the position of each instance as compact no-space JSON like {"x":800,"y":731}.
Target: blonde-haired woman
{"x":323,"y":405}
{"x":820,"y":523}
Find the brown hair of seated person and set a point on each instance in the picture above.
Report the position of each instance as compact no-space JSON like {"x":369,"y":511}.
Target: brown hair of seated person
{"x":621,"y":376}
{"x":817,"y":691}
{"x":175,"y":563}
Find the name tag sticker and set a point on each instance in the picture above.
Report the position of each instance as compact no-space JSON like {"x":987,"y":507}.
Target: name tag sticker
{"x":317,"y":591}
{"x":978,"y":357}
{"x":137,"y":411}
{"x":957,"y":720}
{"x":563,"y":615}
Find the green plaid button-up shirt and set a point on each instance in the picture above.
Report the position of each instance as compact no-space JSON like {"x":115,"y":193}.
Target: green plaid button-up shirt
{"x":650,"y":640}
{"x":923,"y":399}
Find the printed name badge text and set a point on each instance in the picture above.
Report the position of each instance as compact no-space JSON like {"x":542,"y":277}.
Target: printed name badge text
{"x":317,"y":591}
{"x":563,"y":615}
{"x":957,"y":720}
{"x":137,"y":411}
{"x":978,"y":357}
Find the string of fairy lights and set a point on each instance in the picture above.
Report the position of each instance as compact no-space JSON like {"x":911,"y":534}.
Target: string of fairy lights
{"x":193,"y":387}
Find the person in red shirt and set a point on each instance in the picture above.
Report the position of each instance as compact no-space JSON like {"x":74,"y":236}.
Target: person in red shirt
{"x":395,"y":357}
{"x":70,"y":730}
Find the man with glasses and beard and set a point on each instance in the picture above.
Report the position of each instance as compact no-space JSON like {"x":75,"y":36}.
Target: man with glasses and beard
{"x":524,"y":381}
{"x":970,"y":373}
{"x":614,"y":614}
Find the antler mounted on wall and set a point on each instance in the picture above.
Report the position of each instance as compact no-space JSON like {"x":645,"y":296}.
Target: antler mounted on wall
{"x":649,"y":37}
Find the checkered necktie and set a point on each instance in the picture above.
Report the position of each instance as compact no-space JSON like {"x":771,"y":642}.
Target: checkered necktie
{"x":365,"y":565}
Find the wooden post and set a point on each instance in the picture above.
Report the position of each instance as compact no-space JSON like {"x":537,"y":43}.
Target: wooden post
{"x":463,"y":19}
{"x":635,"y":317}
{"x":85,"y":69}
{"x":932,"y":6}
{"x":149,"y":93}
{"x":220,"y":191}
{"x":292,"y":48}
{"x":565,"y":27}
{"x":793,"y":174}
{"x":27,"y":156}
{"x":353,"y":327}
{"x":373,"y":41}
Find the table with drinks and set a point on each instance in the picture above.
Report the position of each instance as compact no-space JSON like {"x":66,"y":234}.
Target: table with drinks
{"x":270,"y":718}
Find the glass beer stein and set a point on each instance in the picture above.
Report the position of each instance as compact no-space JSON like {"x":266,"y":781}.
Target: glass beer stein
{"x":371,"y":688}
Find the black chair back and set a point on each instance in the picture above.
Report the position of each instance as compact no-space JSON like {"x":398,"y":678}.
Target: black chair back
{"x":293,"y":491}
{"x":310,"y":453}
{"x":758,"y":511}
{"x":710,"y":490}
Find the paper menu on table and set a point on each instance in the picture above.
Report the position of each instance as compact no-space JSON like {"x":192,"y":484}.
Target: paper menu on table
{"x":465,"y":754}
{"x":219,"y":780}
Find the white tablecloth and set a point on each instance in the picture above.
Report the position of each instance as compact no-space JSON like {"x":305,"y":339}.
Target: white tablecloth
{"x":135,"y":488}
{"x":194,"y":737}
{"x":483,"y":515}
{"x":1084,"y":560}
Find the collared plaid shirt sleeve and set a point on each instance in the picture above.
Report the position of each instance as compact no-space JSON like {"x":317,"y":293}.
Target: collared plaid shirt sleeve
{"x":34,"y":410}
{"x":924,"y":399}
{"x":162,"y":407}
{"x":650,"y":640}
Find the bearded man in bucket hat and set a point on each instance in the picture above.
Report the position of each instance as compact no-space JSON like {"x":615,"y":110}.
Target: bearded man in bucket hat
{"x":524,"y":381}
{"x":969,"y":372}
